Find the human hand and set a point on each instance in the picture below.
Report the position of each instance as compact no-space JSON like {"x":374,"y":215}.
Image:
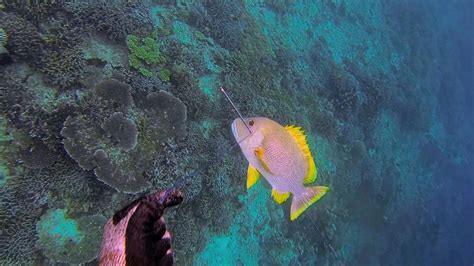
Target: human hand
{"x":137,"y":235}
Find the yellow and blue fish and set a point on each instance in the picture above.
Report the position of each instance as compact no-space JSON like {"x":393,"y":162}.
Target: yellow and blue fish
{"x":282,"y":156}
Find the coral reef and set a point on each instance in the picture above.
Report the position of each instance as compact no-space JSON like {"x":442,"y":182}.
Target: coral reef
{"x":113,"y":147}
{"x":67,"y":240}
{"x":345,"y":93}
{"x":115,"y":91}
{"x":116,"y":19}
{"x":143,"y":53}
{"x":82,"y":142}
{"x":221,"y":20}
{"x":18,"y":231}
{"x":105,"y":100}
{"x":64,"y":68}
{"x":24,"y":41}
{"x":121,"y":130}
{"x":35,"y":12}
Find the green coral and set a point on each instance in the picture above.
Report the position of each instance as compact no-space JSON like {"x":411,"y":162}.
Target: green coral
{"x":143,"y":54}
{"x":164,"y":74}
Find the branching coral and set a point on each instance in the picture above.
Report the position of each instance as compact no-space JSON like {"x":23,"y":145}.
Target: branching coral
{"x":143,"y":54}
{"x":17,"y":237}
{"x":116,"y":19}
{"x":23,"y":199}
{"x":187,"y":234}
{"x":38,"y":156}
{"x":34,"y":11}
{"x":222,"y":20}
{"x":23,"y":110}
{"x":64,"y":68}
{"x":24,"y":41}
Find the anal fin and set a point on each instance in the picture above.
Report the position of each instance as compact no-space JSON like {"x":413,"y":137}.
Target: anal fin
{"x":280,"y":197}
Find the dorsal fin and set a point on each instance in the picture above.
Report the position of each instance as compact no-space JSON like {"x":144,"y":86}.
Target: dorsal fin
{"x":298,"y":134}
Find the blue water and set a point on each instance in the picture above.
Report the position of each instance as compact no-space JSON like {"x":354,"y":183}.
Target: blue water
{"x":103,"y":102}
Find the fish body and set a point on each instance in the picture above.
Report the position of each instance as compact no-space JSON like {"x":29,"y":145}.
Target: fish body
{"x":282,"y":156}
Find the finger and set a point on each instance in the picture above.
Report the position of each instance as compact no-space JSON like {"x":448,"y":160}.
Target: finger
{"x":173,"y":198}
{"x":163,"y":245}
{"x":151,"y":210}
{"x":167,"y":260}
{"x":159,"y":229}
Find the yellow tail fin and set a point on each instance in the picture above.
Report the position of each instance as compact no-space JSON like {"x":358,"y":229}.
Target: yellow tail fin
{"x":301,"y":202}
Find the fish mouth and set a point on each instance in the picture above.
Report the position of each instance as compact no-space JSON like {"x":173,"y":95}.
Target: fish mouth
{"x":234,"y":130}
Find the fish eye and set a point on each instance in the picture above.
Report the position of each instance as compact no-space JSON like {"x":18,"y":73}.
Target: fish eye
{"x":251,"y":122}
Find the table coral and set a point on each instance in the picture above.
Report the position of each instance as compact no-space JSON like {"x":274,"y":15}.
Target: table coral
{"x":121,"y":130}
{"x":115,"y":91}
{"x":108,"y":143}
{"x":85,"y":149}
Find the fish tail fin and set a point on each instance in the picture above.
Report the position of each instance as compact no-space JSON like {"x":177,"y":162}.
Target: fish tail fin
{"x":302,"y":201}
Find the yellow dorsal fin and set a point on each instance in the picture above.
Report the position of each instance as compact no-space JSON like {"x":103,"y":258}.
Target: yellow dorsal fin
{"x":252,"y":176}
{"x":312,"y":172}
{"x":259,"y":152}
{"x":298,"y":134}
{"x":280,"y":197}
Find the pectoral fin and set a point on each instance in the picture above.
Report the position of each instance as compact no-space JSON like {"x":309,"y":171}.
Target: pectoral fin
{"x":280,"y":197}
{"x":259,"y":152}
{"x":252,"y":176}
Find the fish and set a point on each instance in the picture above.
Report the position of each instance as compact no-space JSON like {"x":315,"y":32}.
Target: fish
{"x":282,"y":156}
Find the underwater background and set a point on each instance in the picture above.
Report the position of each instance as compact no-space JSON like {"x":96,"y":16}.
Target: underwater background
{"x":104,"y":101}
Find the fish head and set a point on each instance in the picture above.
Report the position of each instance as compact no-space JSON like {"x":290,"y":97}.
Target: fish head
{"x":251,"y":137}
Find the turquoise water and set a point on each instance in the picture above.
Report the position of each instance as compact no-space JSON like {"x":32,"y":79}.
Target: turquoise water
{"x":104,"y":102}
